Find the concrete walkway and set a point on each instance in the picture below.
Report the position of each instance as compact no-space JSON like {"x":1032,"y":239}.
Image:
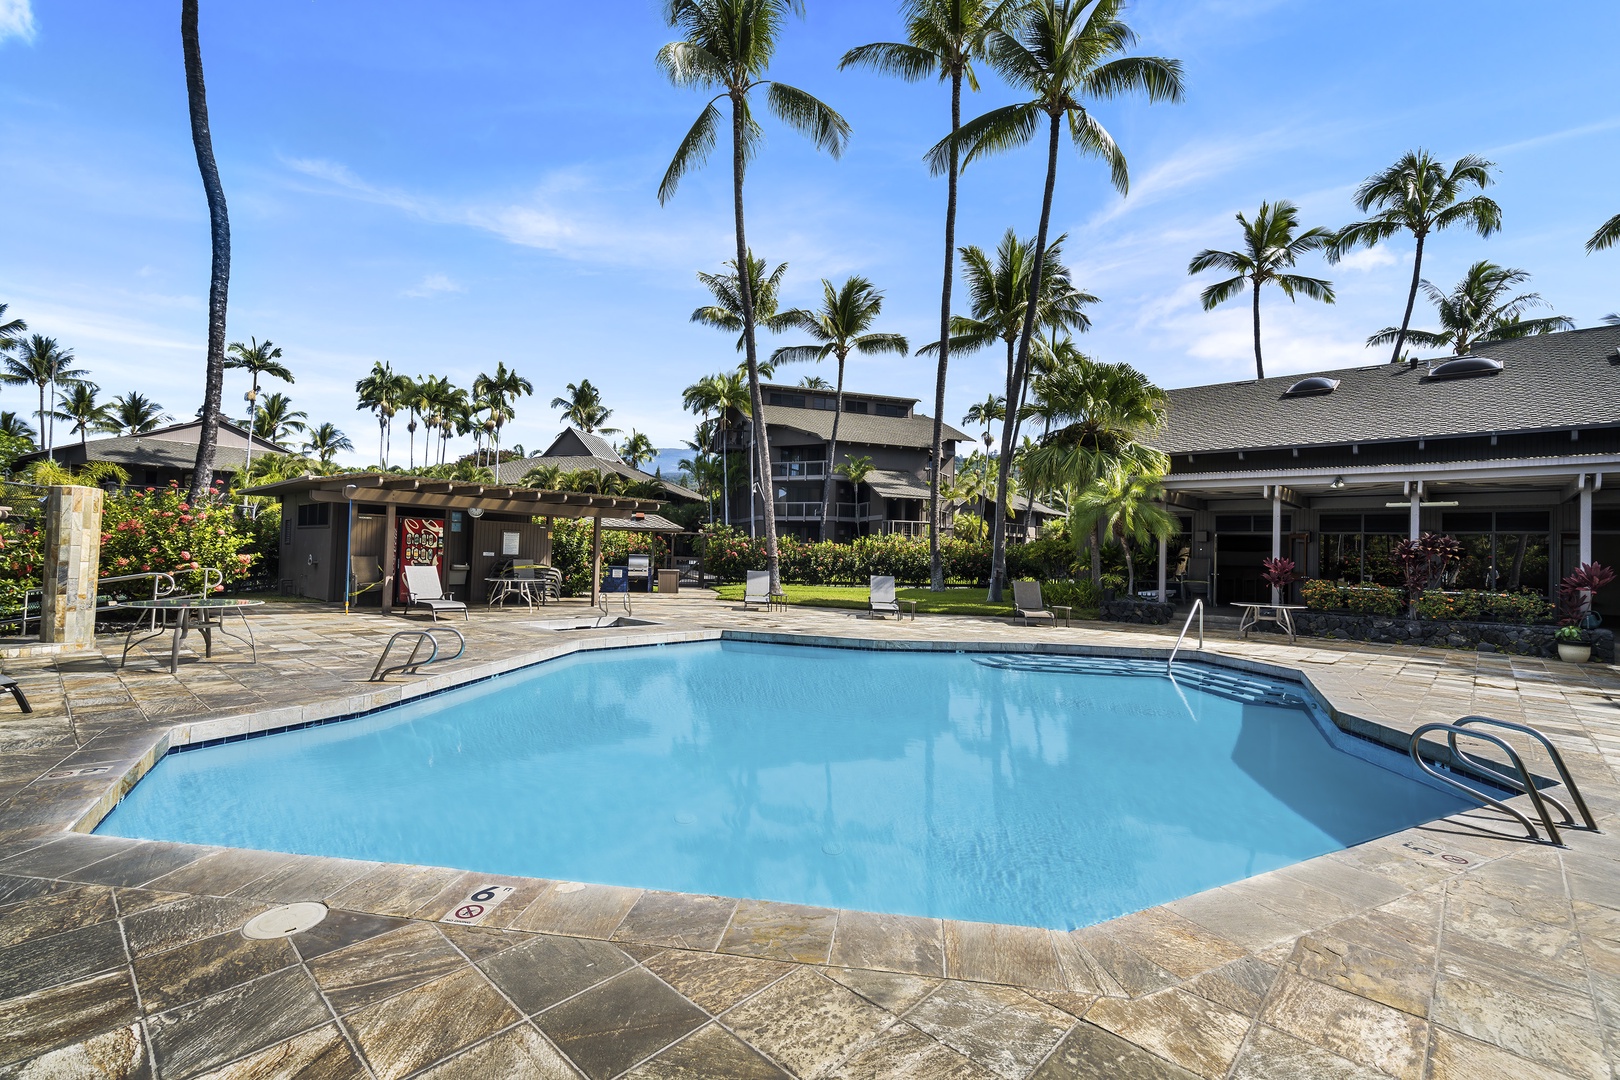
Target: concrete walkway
{"x":1448,"y":951}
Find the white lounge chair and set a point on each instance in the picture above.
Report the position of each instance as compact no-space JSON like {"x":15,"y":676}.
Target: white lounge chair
{"x":883,"y":599}
{"x":424,"y":590}
{"x":757,"y":590}
{"x":1027,"y":604}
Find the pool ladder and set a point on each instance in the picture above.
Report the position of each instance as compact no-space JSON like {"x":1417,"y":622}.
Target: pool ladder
{"x":1515,"y":778}
{"x":412,"y":664}
{"x":1198,"y":610}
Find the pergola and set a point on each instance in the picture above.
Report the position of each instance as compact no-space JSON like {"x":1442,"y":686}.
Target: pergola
{"x":395,"y":493}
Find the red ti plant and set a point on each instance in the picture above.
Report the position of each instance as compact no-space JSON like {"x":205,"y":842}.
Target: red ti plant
{"x":1279,"y":573}
{"x":1423,"y":561}
{"x":1575,"y":594}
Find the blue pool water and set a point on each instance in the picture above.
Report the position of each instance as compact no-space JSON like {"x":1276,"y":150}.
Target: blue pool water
{"x":985,"y":787}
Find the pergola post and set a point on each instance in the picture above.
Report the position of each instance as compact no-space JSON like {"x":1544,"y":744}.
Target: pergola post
{"x":1164,"y":555}
{"x":1276,"y":536}
{"x":72,"y":565}
{"x":1415,"y":525}
{"x":390,"y":555}
{"x":1585,"y":521}
{"x":596,"y":559}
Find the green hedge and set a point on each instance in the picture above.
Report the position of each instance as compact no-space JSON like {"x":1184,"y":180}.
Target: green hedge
{"x":1468,"y":605}
{"x":729,"y":555}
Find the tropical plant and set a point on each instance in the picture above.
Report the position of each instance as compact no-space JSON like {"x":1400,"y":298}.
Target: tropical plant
{"x":39,"y":361}
{"x":383,"y":392}
{"x":219,"y":232}
{"x":1420,"y":195}
{"x":326,"y":442}
{"x":855,"y":469}
{"x":726,"y":311}
{"x":815,"y":382}
{"x":544,"y":476}
{"x":88,"y":414}
{"x":1607,"y":236}
{"x":583,"y":408}
{"x":1272,"y":243}
{"x":414,"y":400}
{"x":719,"y":395}
{"x":637,"y":449}
{"x":1126,"y":507}
{"x":501,"y":391}
{"x":1424,"y":560}
{"x":728,"y":46}
{"x":276,"y":418}
{"x":1576,"y":590}
{"x":841,"y":326}
{"x":1478,"y":309}
{"x":986,"y":413}
{"x":256,"y":360}
{"x":13,"y":426}
{"x":11,"y":331}
{"x":943,"y":38}
{"x":135,"y":414}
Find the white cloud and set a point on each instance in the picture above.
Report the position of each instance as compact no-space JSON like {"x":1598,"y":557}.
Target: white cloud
{"x":1370,"y":258}
{"x":433,"y":285}
{"x":16,"y":20}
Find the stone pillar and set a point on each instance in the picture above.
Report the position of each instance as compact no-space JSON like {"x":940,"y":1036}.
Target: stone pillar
{"x":72,"y":565}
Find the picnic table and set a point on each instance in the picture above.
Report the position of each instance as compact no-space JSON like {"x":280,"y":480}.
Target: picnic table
{"x":206,"y":614}
{"x":1281,"y":614}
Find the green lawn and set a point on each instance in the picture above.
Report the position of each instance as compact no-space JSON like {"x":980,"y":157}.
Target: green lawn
{"x":953,"y":601}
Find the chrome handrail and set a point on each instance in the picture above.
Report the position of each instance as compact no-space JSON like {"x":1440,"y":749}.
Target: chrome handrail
{"x":1523,"y":781}
{"x":1552,"y":753}
{"x":1198,"y":610}
{"x":412,"y":665}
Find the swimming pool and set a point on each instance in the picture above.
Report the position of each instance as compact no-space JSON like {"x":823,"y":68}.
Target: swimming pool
{"x":1043,"y":791}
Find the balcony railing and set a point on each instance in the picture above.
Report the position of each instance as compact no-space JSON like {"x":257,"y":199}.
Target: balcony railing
{"x":788,"y":470}
{"x":799,"y":511}
{"x":904,"y":528}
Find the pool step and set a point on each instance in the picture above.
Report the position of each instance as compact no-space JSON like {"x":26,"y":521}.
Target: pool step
{"x":1232,"y":685}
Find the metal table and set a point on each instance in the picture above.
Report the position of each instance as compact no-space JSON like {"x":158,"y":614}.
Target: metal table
{"x":203,"y":613}
{"x":1255,"y":614}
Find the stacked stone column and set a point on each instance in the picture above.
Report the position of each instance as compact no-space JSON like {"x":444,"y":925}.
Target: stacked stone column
{"x":72,"y":565}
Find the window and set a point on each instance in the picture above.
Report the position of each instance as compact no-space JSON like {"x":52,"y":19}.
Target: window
{"x":1361,"y":547}
{"x":791,"y":401}
{"x":314,"y":515}
{"x":827,"y":404}
{"x":854,"y":406}
{"x":1504,"y":551}
{"x":882,"y":409}
{"x":1250,"y":523}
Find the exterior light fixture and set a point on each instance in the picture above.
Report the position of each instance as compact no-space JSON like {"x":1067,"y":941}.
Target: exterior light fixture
{"x":1338,"y":482}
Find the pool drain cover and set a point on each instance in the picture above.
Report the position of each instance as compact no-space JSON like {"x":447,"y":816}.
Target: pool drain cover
{"x":284,"y":921}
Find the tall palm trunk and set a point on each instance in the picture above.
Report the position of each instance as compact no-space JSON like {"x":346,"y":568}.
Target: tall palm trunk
{"x":1009,"y":428}
{"x":725,"y":470}
{"x":219,"y":228}
{"x":1411,"y":299}
{"x":49,"y":451}
{"x":936,"y":563}
{"x":829,"y":485}
{"x":745,"y":293}
{"x":1259,"y":364}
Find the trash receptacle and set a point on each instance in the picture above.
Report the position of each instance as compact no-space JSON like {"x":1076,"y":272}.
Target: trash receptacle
{"x":669,"y":582}
{"x":618,"y":579}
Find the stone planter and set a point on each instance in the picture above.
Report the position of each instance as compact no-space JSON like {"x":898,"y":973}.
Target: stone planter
{"x":1574,"y":654}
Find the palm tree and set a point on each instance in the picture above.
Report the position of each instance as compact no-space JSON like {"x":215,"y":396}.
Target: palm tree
{"x":135,"y":414}
{"x":839,"y":328}
{"x":382,"y":392}
{"x":438,"y":400}
{"x":500,"y":391}
{"x":637,"y":450}
{"x":986,"y":413}
{"x":855,"y":469}
{"x":1126,"y":507}
{"x":545,"y":477}
{"x":14,"y":427}
{"x":1479,"y":309}
{"x":1419,"y":195}
{"x":815,"y":382}
{"x":1607,"y":236}
{"x":1106,"y":412}
{"x":726,"y":311}
{"x":1612,"y":320}
{"x":414,"y":399}
{"x":943,"y":37}
{"x":583,"y":408}
{"x":1271,"y":244}
{"x":219,"y":231}
{"x":41,"y":362}
{"x":718,"y":395}
{"x":256,"y":360}
{"x":728,"y":46}
{"x":1064,"y":52}
{"x":11,"y":331}
{"x":326,"y":442}
{"x":276,"y":418}
{"x":88,"y":414}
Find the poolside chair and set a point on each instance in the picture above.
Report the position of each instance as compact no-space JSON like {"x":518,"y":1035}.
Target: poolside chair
{"x":424,"y":590}
{"x":1027,"y":604}
{"x":758,"y":590}
{"x":9,"y":686}
{"x":883,"y":599}
{"x":1194,"y":582}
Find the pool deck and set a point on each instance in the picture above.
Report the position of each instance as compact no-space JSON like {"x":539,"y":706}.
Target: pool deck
{"x":1454,"y":951}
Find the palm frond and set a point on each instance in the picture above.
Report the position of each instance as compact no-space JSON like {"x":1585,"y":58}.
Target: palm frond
{"x":1312,"y":288}
{"x":891,"y":58}
{"x":997,"y":130}
{"x":1222,"y":291}
{"x":1234,"y":261}
{"x":800,"y":354}
{"x":1092,"y":139}
{"x":809,"y":116}
{"x":1157,"y":77}
{"x":693,"y":151}
{"x":1607,"y":236}
{"x":873,"y":344}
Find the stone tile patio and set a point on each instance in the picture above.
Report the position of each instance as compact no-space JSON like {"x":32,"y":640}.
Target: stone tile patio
{"x":1446,"y":952}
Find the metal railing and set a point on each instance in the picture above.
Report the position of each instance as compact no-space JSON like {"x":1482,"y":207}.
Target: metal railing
{"x":1519,"y":778}
{"x":412,"y":664}
{"x":799,"y":510}
{"x":904,"y":528}
{"x":1553,"y":755}
{"x":1198,"y":610}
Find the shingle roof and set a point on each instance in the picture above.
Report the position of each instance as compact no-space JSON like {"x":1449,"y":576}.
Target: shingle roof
{"x":893,"y":484}
{"x":1551,"y":382}
{"x":913,"y":432}
{"x":512,"y":472}
{"x":145,"y":451}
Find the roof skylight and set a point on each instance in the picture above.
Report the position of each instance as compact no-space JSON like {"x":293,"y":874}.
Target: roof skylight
{"x":1465,"y":367}
{"x":1315,"y":384}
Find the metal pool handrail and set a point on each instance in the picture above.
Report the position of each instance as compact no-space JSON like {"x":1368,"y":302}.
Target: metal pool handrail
{"x":412,"y":665}
{"x":1522,"y":782}
{"x":1546,"y":744}
{"x":1198,"y":610}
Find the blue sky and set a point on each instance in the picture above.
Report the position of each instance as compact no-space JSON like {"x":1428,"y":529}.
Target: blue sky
{"x":444,"y":187}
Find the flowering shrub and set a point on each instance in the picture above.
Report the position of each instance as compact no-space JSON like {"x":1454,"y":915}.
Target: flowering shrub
{"x":1473,"y":605}
{"x":21,"y":556}
{"x":156,"y":530}
{"x":729,"y":555}
{"x":1279,"y":573}
{"x":1358,"y":599}
{"x":1575,"y":593}
{"x":571,"y":551}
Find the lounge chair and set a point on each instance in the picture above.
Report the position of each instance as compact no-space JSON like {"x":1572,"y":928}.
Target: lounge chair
{"x":757,"y":591}
{"x":883,"y":600}
{"x":424,"y":590}
{"x":9,"y":686}
{"x":1027,"y":604}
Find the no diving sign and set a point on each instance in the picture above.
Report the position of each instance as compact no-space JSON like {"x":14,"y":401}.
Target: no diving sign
{"x":475,"y":907}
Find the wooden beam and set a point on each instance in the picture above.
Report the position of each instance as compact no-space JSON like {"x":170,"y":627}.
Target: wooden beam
{"x":577,"y":505}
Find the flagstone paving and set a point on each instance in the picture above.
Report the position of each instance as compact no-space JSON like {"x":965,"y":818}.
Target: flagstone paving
{"x":1451,"y":951}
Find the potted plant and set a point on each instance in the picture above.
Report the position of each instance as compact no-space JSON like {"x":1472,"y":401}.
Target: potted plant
{"x":1574,"y":644}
